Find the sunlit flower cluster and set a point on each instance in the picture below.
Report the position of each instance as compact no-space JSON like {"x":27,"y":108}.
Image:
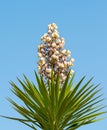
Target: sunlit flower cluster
{"x":53,"y":56}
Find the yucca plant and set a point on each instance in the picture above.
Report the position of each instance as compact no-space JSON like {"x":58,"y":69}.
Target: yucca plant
{"x":56,"y":102}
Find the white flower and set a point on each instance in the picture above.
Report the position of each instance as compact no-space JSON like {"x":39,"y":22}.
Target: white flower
{"x":55,"y":35}
{"x":55,"y":57}
{"x":61,"y":45}
{"x":39,"y":54}
{"x":45,"y":65}
{"x":68,"y":53}
{"x":49,"y":31}
{"x":61,"y":65}
{"x":42,"y":50}
{"x":39,"y":68}
{"x":62,"y":75}
{"x":62,"y":40}
{"x":54,"y":25}
{"x":48,"y":44}
{"x":43,"y":39}
{"x":48,"y":39}
{"x":42,"y":60}
{"x":70,"y":63}
{"x":50,"y":59}
{"x":58,"y":41}
{"x":64,"y":58}
{"x":65,"y":63}
{"x":53,"y":44}
{"x":50,"y":27}
{"x":63,"y":78}
{"x":45,"y":35}
{"x":72,"y":59}
{"x":56,"y":52}
{"x":63,"y":51}
{"x":40,"y":46}
{"x":71,"y":72}
{"x":49,"y":75}
{"x":48,"y":70}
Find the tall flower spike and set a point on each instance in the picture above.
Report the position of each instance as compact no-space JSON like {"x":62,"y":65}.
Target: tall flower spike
{"x":53,"y":56}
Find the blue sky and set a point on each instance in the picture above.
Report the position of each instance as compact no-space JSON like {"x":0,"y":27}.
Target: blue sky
{"x":83,"y":24}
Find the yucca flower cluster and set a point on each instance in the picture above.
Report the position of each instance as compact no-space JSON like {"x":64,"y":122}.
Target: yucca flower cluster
{"x":53,"y":56}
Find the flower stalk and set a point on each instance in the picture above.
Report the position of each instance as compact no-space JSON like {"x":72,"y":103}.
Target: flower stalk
{"x":53,"y":56}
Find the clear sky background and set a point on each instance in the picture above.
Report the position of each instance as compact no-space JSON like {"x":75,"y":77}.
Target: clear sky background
{"x":83,"y":24}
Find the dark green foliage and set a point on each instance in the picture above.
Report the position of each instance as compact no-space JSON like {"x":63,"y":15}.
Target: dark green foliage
{"x":57,"y":107}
